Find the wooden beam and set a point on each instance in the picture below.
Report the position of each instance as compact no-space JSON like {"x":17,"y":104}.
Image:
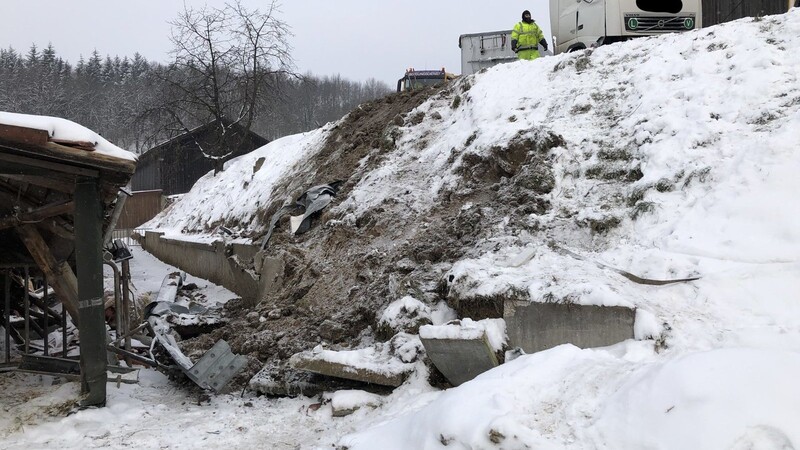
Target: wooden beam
{"x":38,"y":214}
{"x":60,"y":184}
{"x":59,"y":227}
{"x":56,"y":225}
{"x":49,"y":165}
{"x":59,"y":275}
{"x":23,"y":135}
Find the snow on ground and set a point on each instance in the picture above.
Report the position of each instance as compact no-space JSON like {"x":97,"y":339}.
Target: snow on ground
{"x":710,"y":118}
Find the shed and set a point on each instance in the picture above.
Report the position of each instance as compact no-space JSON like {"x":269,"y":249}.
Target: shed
{"x":175,"y":165}
{"x":59,"y":183}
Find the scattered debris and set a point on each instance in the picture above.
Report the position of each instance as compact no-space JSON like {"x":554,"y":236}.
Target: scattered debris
{"x":213,"y":371}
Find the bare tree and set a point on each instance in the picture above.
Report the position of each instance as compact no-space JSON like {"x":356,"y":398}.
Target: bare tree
{"x":224,"y":60}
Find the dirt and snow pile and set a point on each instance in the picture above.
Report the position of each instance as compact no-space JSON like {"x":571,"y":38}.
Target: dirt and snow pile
{"x":670,"y":157}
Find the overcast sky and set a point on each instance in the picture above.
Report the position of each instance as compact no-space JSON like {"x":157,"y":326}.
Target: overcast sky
{"x":358,"y":39}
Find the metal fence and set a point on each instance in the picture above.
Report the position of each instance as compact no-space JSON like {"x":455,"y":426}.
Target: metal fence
{"x":125,"y":235}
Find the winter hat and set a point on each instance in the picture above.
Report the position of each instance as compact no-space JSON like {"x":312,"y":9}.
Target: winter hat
{"x":526,"y":13}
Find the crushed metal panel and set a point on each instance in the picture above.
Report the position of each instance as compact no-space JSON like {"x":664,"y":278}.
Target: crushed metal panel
{"x":216,"y":367}
{"x":62,"y":366}
{"x":212,"y":371}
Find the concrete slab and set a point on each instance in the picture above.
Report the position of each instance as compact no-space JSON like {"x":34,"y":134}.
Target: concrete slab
{"x":539,"y":326}
{"x":314,"y":363}
{"x":461,"y":360}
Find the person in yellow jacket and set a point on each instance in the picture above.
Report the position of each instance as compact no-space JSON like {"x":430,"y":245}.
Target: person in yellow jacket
{"x":526,"y":37}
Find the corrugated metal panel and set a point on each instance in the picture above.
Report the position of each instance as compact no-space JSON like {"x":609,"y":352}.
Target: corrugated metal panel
{"x":719,"y":11}
{"x":146,"y":176}
{"x":139,"y":208}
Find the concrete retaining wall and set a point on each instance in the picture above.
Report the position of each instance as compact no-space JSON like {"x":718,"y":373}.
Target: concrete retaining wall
{"x":539,"y":326}
{"x":212,"y":261}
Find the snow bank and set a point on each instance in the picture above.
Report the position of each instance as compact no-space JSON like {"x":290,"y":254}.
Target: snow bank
{"x":743,"y":398}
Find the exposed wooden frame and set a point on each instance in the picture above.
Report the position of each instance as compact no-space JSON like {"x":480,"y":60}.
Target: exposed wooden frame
{"x":59,"y":275}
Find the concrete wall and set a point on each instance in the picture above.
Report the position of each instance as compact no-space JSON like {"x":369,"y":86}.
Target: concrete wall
{"x":212,"y":261}
{"x":539,"y":326}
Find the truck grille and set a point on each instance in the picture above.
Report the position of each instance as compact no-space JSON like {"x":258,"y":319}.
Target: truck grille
{"x":658,"y":24}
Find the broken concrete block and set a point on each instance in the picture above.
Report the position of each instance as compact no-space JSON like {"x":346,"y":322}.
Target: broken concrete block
{"x":369,"y":365}
{"x":536,"y":326}
{"x":464,"y":349}
{"x":346,"y":402}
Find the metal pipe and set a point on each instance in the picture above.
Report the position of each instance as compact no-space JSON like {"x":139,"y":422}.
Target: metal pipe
{"x":63,"y":331}
{"x":121,"y":197}
{"x":117,"y":296}
{"x":46,"y":338}
{"x":7,"y":324}
{"x":27,"y":301}
{"x":126,"y":302}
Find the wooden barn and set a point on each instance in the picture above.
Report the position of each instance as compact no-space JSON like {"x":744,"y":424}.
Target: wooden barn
{"x":719,"y":11}
{"x":175,"y":165}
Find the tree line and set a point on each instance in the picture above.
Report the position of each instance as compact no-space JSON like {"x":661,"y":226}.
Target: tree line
{"x":131,"y":101}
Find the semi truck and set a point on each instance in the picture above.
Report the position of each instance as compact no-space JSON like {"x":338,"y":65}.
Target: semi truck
{"x":417,"y":79}
{"x":580,"y":24}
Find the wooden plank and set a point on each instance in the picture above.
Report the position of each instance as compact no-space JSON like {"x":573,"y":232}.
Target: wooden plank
{"x":23,"y":135}
{"x":94,"y":159}
{"x":59,"y":275}
{"x":83,"y":145}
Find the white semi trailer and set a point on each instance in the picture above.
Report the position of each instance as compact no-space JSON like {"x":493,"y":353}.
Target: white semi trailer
{"x":580,"y":24}
{"x":482,"y":50}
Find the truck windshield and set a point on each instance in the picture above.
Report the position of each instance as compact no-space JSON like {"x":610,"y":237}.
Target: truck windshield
{"x":660,"y":6}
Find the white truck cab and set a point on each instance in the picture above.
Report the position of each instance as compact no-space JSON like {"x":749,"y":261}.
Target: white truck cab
{"x":580,"y":24}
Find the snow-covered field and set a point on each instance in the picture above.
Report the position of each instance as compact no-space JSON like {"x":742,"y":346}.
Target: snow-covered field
{"x":712,"y":120}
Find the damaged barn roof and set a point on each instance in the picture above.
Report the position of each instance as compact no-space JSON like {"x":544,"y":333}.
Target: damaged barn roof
{"x":41,"y":158}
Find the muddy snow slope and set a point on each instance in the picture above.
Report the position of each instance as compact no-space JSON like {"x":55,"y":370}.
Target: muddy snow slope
{"x":667,"y":157}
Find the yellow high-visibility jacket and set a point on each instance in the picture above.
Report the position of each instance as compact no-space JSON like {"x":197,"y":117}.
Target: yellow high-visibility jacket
{"x":527,"y":36}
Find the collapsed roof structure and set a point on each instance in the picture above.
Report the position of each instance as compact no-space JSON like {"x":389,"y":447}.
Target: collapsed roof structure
{"x":59,"y":185}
